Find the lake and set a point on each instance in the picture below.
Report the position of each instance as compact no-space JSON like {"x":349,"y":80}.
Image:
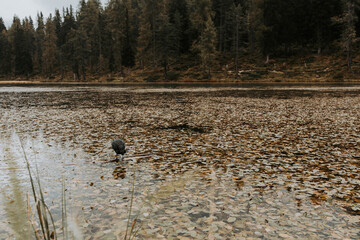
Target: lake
{"x":203,"y":161}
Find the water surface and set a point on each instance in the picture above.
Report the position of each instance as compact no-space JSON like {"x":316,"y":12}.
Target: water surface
{"x":220,"y":161}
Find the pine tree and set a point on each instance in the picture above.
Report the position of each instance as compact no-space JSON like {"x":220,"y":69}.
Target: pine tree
{"x":57,"y":22}
{"x":320,"y":25}
{"x":21,"y":51}
{"x":30,"y":45}
{"x":90,"y":21}
{"x":349,"y":20}
{"x":128,"y":55}
{"x":271,"y":31}
{"x":81,"y":43}
{"x":154,"y":9}
{"x":179,"y":16}
{"x":238,"y":22}
{"x":67,"y":46}
{"x":178,"y":37}
{"x":72,"y":50}
{"x":5,"y":50}
{"x":207,"y":46}
{"x":144,"y":38}
{"x":2,"y":25}
{"x":255,"y":24}
{"x":222,"y":9}
{"x":120,"y":21}
{"x":50,"y":47}
{"x":116,"y":25}
{"x":40,"y":36}
{"x":70,"y":43}
{"x":200,"y":12}
{"x":166,"y":38}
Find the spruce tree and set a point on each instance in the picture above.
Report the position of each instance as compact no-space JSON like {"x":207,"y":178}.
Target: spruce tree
{"x":50,"y":47}
{"x":238,"y":21}
{"x":222,"y":9}
{"x":349,"y":20}
{"x":57,"y":22}
{"x":144,"y":38}
{"x":115,"y":22}
{"x":40,"y":36}
{"x":203,"y":25}
{"x":320,"y":26}
{"x":179,"y":16}
{"x":68,"y":46}
{"x":30,"y":44}
{"x":207,"y":46}
{"x":81,"y":41}
{"x":22,"y":56}
{"x":90,"y":21}
{"x":2,"y":25}
{"x":128,"y":55}
{"x":5,"y":50}
{"x":256,"y":26}
{"x":271,"y":31}
{"x":166,"y":38}
{"x":177,"y":34}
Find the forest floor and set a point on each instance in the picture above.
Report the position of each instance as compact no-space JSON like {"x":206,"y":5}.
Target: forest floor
{"x":308,"y":68}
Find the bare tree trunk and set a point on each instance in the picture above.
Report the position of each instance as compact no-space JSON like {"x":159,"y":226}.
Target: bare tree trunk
{"x":349,"y":54}
{"x":154,"y":42}
{"x":165,"y":72}
{"x":267,"y":59}
{"x":100,"y":56}
{"x":251,"y":28}
{"x":237,"y":50}
{"x":319,"y":39}
{"x":350,"y":23}
{"x":121,"y":66}
{"x":61,"y":66}
{"x":83,"y":69}
{"x":165,"y":63}
{"x":221,"y":28}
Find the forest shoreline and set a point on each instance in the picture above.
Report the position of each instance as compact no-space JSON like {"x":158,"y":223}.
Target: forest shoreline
{"x":270,"y":78}
{"x":114,"y":83}
{"x":296,"y":69}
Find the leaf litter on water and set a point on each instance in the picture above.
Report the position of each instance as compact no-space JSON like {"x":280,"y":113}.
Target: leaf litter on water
{"x":224,"y":164}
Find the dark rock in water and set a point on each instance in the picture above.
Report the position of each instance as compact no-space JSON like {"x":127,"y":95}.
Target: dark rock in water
{"x":119,"y":146}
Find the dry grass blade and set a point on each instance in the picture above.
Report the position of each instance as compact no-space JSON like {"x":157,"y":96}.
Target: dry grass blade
{"x":133,"y":227}
{"x":63,"y":211}
{"x":42,"y":206}
{"x":42,"y":209}
{"x":135,"y":230}
{"x":131,"y":203}
{"x":53,"y":233}
{"x":31,"y":218}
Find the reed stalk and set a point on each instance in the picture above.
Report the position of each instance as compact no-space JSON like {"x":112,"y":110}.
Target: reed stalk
{"x":42,"y":211}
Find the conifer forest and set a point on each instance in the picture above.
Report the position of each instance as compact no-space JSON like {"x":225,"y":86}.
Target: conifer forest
{"x":173,"y":35}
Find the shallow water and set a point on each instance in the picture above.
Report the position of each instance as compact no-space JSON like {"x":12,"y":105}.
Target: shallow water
{"x":210,"y":161}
